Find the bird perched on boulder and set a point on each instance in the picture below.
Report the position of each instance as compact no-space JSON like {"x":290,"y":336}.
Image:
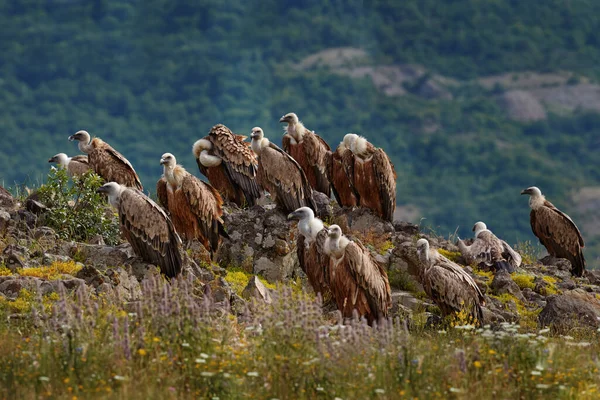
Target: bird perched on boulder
{"x":556,"y":230}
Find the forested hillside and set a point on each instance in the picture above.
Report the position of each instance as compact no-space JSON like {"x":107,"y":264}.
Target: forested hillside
{"x":474,"y":100}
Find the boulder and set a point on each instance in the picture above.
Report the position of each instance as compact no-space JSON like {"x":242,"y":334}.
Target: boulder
{"x":255,"y":289}
{"x":572,"y":309}
{"x":4,"y":221}
{"x":6,"y":199}
{"x":503,"y":283}
{"x":101,"y":256}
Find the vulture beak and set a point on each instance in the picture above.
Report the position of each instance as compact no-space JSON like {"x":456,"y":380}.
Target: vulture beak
{"x":102,"y":189}
{"x":525,"y":191}
{"x":292,"y":215}
{"x":283,"y":119}
{"x":252,"y":135}
{"x":71,"y":138}
{"x":163,"y":161}
{"x":53,"y":159}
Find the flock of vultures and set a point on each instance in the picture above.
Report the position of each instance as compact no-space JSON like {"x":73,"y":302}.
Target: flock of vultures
{"x":357,"y":174}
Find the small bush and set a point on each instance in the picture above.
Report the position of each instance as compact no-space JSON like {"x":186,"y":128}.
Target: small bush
{"x":76,"y":211}
{"x":524,"y":280}
{"x":238,"y":279}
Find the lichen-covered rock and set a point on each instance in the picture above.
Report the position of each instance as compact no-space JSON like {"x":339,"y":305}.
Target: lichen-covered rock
{"x":91,"y":276}
{"x":503,"y":283}
{"x":124,"y":285}
{"x":6,"y":199}
{"x":572,"y":309}
{"x":101,"y":256}
{"x":15,"y":257}
{"x":255,"y":289}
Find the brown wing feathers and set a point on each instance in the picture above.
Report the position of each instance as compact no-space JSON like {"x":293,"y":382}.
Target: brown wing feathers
{"x":112,"y":166}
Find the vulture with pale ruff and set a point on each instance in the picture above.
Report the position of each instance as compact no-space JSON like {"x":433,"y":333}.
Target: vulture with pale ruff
{"x":356,"y":280}
{"x":281,"y":175}
{"x":75,"y":166}
{"x":341,"y":176}
{"x":195,"y":206}
{"x":310,"y":248}
{"x":447,"y":284}
{"x":556,"y":230}
{"x":374,"y":177}
{"x":146,"y":227}
{"x":489,"y":252}
{"x":106,"y":161}
{"x":309,"y":150}
{"x":229,"y":164}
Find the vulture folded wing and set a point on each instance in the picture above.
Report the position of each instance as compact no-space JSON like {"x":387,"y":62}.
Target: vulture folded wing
{"x":385,"y":176}
{"x":511,"y":255}
{"x":149,"y":231}
{"x":112,"y":166}
{"x":371,"y":277}
{"x":286,"y":143}
{"x":161,"y":193}
{"x":206,"y":204}
{"x":81,"y":158}
{"x":317,"y":154}
{"x":345,"y":290}
{"x":78,"y":165}
{"x":462,"y":276}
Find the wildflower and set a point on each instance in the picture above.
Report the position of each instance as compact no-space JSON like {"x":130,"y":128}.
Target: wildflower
{"x":200,"y":361}
{"x":142,"y":352}
{"x":44,"y":378}
{"x":320,"y":389}
{"x":203,"y":355}
{"x":155,"y":339}
{"x":477,"y":364}
{"x":491,"y":352}
{"x":379,"y":391}
{"x":546,"y":330}
{"x":456,"y":390}
{"x":542,"y":386}
{"x":252,"y":373}
{"x":119,"y":378}
{"x":207,"y":374}
{"x":536,"y":373}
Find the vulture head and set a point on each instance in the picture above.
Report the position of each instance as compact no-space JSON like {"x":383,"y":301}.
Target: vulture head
{"x":423,"y":250}
{"x":356,"y":143}
{"x":536,"y":198}
{"x":479,"y":227}
{"x":80,"y":136}
{"x":308,"y":225}
{"x":113,"y":191}
{"x":168,"y":160}
{"x":60,"y":159}
{"x":290,"y":118}
{"x":334,"y":232}
{"x":301,"y":213}
{"x":257,"y":137}
{"x":532,"y":191}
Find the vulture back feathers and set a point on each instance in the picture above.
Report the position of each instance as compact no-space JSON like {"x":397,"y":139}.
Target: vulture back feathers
{"x":106,"y":161}
{"x":75,"y":166}
{"x":556,"y":230}
{"x":341,"y":176}
{"x":146,"y":227}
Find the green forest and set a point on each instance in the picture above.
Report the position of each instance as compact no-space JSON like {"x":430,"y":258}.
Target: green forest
{"x":153,"y":76}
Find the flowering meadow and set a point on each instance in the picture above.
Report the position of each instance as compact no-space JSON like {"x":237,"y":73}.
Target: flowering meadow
{"x":177,"y":343}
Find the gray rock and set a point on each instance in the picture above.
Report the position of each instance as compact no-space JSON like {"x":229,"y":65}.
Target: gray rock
{"x":44,"y":232}
{"x":15,"y":257}
{"x":102,"y":256}
{"x":35,"y":206}
{"x":407,"y":300}
{"x":255,"y":289}
{"x":4,"y":222}
{"x":11,"y":287}
{"x":362,"y":220}
{"x":572,"y":309}
{"x":503,"y":283}
{"x":6,"y":199}
{"x":325,"y":206}
{"x":72,"y":283}
{"x":91,"y":276}
{"x":125,"y":286}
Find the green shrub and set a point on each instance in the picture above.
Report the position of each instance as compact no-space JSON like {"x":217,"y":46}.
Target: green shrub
{"x":75,"y":210}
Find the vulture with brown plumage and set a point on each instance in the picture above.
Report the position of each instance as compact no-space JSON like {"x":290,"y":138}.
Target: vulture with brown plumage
{"x":341,"y":176}
{"x":374,"y":177}
{"x":106,"y":161}
{"x":309,"y":150}
{"x":356,"y":280}
{"x":556,"y":230}
{"x":448,"y":285}
{"x":75,"y":166}
{"x":281,"y":175}
{"x":489,"y":252}
{"x":146,"y":227}
{"x":195,"y":206}
{"x":310,"y":249}
{"x":229,"y":164}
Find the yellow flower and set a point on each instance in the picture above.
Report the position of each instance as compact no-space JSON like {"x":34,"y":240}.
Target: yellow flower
{"x":66,"y":380}
{"x":142,"y":352}
{"x":492,"y":352}
{"x":155,"y":339}
{"x":477,"y":364}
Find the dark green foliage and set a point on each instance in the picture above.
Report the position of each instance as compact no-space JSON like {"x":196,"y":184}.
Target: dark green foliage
{"x":75,"y":210}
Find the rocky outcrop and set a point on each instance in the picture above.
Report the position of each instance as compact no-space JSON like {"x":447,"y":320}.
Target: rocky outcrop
{"x":572,"y":309}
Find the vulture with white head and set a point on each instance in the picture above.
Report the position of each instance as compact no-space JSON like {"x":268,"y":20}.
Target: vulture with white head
{"x":229,"y":164}
{"x":146,"y":227}
{"x":447,"y":284}
{"x":310,"y":248}
{"x":356,"y":280}
{"x":309,"y":150}
{"x":341,"y":175}
{"x":106,"y":161}
{"x":195,"y":206}
{"x":374,"y":177}
{"x":281,"y":175}
{"x":489,"y":252}
{"x":75,"y":166}
{"x":556,"y":230}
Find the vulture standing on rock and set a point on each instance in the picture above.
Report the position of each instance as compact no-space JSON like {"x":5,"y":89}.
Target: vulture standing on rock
{"x":356,"y":280}
{"x":447,"y":284}
{"x":281,"y":175}
{"x":310,"y":248}
{"x":229,"y":164}
{"x":556,"y":230}
{"x":341,"y":176}
{"x":194,"y":206}
{"x":106,"y":161}
{"x":374,"y":177}
{"x":309,"y":150}
{"x":489,"y":251}
{"x":146,"y":227}
{"x":75,"y":166}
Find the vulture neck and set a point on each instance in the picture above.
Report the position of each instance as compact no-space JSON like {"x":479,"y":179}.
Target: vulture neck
{"x":209,"y":160}
{"x":115,"y":198}
{"x":259,"y":144}
{"x":336,"y":246}
{"x":360,"y":148}
{"x":200,"y":145}
{"x":309,"y":227}
{"x":478,"y":231}
{"x":296,"y":131}
{"x":85,"y":146}
{"x":174,"y":175}
{"x":537,"y":201}
{"x":63,"y":161}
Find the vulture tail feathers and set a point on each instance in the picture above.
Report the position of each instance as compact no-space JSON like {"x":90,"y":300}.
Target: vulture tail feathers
{"x":578,"y":264}
{"x":222,"y":231}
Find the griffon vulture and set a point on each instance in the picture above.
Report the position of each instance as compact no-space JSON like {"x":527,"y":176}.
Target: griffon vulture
{"x":75,"y":166}
{"x":309,"y":246}
{"x":281,"y":175}
{"x":490,"y":252}
{"x":556,"y":230}
{"x":229,"y":164}
{"x":309,"y":150}
{"x":447,"y":284}
{"x":356,"y":280}
{"x":106,"y":161}
{"x":146,"y":227}
{"x":374,"y":176}
{"x":194,"y":206}
{"x":341,"y":176}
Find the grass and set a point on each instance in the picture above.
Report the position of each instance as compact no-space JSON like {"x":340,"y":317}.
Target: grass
{"x":174,"y":344}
